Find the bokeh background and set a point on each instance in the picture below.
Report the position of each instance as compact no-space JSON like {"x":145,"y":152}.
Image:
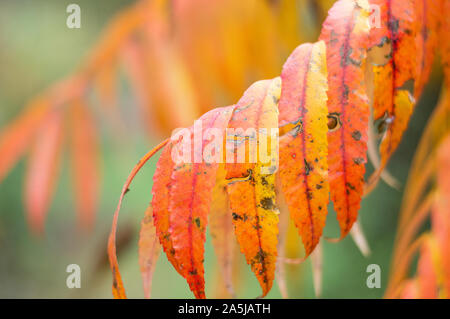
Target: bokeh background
{"x":38,"y":49}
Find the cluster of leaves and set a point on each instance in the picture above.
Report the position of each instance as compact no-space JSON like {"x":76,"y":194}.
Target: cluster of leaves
{"x":325,"y":104}
{"x":426,"y":197}
{"x":427,"y":193}
{"x":177,"y":69}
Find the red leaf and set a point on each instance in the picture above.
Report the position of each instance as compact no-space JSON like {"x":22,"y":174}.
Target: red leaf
{"x":345,"y":32}
{"x":303,"y":150}
{"x":251,"y":188}
{"x":43,"y":169}
{"x":190,"y":193}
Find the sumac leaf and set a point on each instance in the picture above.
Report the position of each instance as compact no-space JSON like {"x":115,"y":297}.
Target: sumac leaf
{"x":251,"y":186}
{"x":43,"y":169}
{"x":304,"y":149}
{"x":190,"y":195}
{"x":345,"y":33}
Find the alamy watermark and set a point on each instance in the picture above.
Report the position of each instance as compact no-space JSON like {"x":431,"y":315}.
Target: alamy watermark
{"x":74,"y":19}
{"x":74,"y":279}
{"x":374,"y":279}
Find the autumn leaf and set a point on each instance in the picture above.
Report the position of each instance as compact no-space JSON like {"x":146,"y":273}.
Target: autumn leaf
{"x":304,"y":148}
{"x":43,"y":170}
{"x":160,"y":202}
{"x":395,"y":71}
{"x":190,"y":194}
{"x":440,"y":217}
{"x":345,"y":33}
{"x":426,"y":194}
{"x":252,"y":192}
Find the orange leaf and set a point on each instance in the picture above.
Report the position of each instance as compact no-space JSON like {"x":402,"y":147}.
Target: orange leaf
{"x":84,"y":164}
{"x":441,"y":209}
{"x":304,"y":149}
{"x":346,"y":32}
{"x":392,"y":81}
{"x":149,"y":249}
{"x":251,"y":188}
{"x":160,"y":202}
{"x":17,"y":136}
{"x":42,"y":170}
{"x":190,"y":195}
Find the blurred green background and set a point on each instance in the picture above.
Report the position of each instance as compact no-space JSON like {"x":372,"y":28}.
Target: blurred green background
{"x":38,"y":49}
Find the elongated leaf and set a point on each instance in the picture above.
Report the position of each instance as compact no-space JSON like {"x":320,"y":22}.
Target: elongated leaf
{"x":251,"y":188}
{"x":346,"y":34}
{"x":43,"y":170}
{"x":222,"y":232}
{"x":85,"y":162}
{"x":149,"y":249}
{"x":440,"y":214}
{"x":17,"y":136}
{"x":304,"y":149}
{"x":398,"y":76}
{"x":190,"y":197}
{"x":160,"y":202}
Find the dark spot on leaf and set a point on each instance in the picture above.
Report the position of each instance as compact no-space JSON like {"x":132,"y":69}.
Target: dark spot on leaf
{"x":236,"y":216}
{"x":308,"y":168}
{"x":260,"y":256}
{"x":356,"y":135}
{"x":267,"y":203}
